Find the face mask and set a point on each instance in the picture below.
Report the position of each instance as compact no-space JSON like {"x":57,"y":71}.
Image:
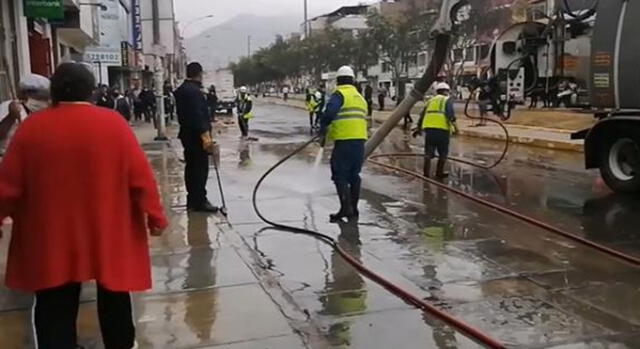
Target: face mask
{"x":35,"y":105}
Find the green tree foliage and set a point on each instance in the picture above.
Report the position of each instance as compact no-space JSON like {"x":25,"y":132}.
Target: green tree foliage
{"x":400,"y":38}
{"x":290,"y":59}
{"x":395,"y":40}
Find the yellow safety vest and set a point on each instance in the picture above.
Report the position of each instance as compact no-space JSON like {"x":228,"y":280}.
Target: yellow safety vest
{"x":247,"y":98}
{"x":312,"y":105}
{"x":351,"y":122}
{"x":435,"y":116}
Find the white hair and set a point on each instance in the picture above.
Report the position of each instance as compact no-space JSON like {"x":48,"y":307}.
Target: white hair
{"x":34,"y":83}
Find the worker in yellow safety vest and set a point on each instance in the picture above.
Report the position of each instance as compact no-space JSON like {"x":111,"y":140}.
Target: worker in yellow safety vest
{"x":437,"y":122}
{"x":314,"y":107}
{"x":244,"y":104}
{"x":344,"y":122}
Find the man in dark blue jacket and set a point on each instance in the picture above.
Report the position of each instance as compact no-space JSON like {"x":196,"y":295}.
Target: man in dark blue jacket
{"x":195,"y":134}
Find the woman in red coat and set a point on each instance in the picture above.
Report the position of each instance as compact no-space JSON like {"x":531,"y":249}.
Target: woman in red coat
{"x":83,"y":199}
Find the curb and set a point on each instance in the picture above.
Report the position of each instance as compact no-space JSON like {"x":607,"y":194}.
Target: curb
{"x":533,"y":142}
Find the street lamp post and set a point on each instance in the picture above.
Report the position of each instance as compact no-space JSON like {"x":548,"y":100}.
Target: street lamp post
{"x":194,"y":21}
{"x":159,"y":73}
{"x":306,"y":19}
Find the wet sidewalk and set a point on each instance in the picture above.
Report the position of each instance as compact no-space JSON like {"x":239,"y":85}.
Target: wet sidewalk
{"x":527,"y":127}
{"x":206,"y":291}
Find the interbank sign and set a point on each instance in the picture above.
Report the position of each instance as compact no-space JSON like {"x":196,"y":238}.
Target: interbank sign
{"x":50,"y":9}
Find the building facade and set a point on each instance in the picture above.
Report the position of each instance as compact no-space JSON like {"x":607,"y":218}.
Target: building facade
{"x":111,"y":57}
{"x":118,"y":38}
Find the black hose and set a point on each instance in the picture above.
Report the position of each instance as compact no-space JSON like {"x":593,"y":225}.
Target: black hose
{"x":323,"y":237}
{"x":414,"y":300}
{"x":590,"y":12}
{"x":507,"y":141}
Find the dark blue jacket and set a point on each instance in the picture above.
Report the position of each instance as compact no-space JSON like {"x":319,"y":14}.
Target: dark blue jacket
{"x":192,"y":109}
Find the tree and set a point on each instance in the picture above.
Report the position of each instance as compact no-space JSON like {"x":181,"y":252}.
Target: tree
{"x":400,"y":39}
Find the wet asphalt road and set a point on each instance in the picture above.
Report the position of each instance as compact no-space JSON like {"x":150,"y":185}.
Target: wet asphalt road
{"x":235,"y":284}
{"x":521,"y":284}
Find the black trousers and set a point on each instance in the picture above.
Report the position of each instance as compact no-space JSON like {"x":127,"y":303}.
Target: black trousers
{"x":244,"y":125}
{"x":381,"y":102}
{"x":138,"y":111}
{"x":56,"y":310}
{"x":369,"y":107}
{"x":436,"y":140}
{"x":196,"y":171}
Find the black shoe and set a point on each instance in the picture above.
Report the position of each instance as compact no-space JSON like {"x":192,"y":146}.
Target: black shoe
{"x":345,"y":203}
{"x":205,"y":208}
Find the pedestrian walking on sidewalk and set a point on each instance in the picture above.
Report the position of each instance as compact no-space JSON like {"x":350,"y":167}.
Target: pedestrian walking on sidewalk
{"x":138,"y":104}
{"x":245,"y":111}
{"x":121,"y":105}
{"x":83,"y":199}
{"x":195,"y":135}
{"x":345,"y":120}
{"x":437,"y":122}
{"x":484,"y":100}
{"x":212,"y":101}
{"x":382,"y":96}
{"x":285,"y":93}
{"x":148,"y":100}
{"x":368,"y":96}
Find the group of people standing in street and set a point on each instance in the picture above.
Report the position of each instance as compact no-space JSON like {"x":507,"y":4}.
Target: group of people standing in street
{"x":136,"y":104}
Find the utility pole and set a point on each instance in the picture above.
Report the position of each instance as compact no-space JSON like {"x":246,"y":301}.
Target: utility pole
{"x":158,"y":70}
{"x":306,"y":19}
{"x":248,"y":45}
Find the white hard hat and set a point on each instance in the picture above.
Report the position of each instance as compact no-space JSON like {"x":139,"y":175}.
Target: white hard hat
{"x":346,"y":71}
{"x":443,"y":86}
{"x":243,"y":89}
{"x":318,"y":94}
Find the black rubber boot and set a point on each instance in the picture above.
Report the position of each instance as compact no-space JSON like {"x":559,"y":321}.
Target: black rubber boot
{"x":345,"y":203}
{"x":355,"y":198}
{"x":426,"y":170}
{"x":440,"y":173}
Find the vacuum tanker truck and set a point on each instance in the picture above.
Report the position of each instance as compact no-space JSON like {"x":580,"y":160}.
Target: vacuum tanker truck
{"x":593,"y":47}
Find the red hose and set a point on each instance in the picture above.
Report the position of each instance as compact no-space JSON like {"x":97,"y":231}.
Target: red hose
{"x":606,"y":250}
{"x":419,"y":303}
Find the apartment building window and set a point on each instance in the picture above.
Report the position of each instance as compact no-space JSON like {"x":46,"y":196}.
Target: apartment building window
{"x":537,"y":11}
{"x":483,"y":51}
{"x":422,"y":59}
{"x":413,"y":61}
{"x":470,"y":54}
{"x":457,"y":54}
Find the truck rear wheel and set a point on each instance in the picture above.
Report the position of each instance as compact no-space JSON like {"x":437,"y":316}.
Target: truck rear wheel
{"x":620,"y":164}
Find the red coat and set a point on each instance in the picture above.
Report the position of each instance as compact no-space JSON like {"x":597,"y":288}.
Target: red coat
{"x":79,"y":189}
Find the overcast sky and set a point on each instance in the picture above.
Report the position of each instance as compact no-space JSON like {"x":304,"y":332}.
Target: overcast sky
{"x":189,"y":10}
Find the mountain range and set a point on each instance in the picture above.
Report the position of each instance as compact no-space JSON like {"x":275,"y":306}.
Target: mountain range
{"x":222,"y":44}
